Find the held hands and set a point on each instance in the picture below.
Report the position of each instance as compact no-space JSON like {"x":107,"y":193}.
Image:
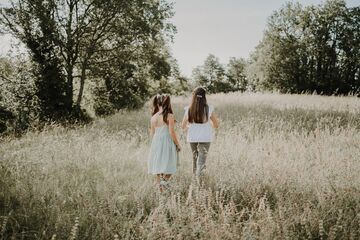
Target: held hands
{"x":178,"y":148}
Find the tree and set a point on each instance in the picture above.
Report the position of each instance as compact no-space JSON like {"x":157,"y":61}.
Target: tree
{"x":69,"y":39}
{"x":126,"y":82}
{"x":17,"y":94}
{"x":314,"y":48}
{"x":179,"y":83}
{"x":129,"y":81}
{"x":256,"y":68}
{"x":217,"y":78}
{"x":236,"y":75}
{"x":211,"y":75}
{"x":6,"y":115}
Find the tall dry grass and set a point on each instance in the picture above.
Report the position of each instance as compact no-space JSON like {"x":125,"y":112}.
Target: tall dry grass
{"x":282,"y":167}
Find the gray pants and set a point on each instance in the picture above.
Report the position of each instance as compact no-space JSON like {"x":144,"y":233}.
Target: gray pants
{"x":199,"y":151}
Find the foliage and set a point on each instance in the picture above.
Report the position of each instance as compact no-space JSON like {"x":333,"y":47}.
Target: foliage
{"x":213,"y":75}
{"x":176,"y":84}
{"x":6,"y":117}
{"x":5,"y":114}
{"x":128,"y":83}
{"x":73,"y":41}
{"x":236,"y":74}
{"x":315,"y":48}
{"x":18,"y":93}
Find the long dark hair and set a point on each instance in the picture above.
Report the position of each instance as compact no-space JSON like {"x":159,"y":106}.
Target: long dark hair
{"x":199,"y":109}
{"x":162,"y":100}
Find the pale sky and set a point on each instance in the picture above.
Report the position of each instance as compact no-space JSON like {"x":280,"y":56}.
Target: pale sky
{"x":225,"y":28}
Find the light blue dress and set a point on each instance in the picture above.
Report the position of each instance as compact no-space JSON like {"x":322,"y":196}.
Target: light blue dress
{"x":163,"y":156}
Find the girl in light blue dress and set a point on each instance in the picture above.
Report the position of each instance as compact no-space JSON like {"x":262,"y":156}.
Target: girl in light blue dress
{"x":165,"y":146}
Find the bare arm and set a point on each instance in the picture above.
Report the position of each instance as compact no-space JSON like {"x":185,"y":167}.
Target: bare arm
{"x":214,"y":120}
{"x":152,"y":129}
{"x":184,"y":122}
{"x":172,"y":129}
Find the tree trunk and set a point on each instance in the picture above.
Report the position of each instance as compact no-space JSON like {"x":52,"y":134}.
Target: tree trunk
{"x":69,"y":86}
{"x":82,"y":83}
{"x":70,"y":62}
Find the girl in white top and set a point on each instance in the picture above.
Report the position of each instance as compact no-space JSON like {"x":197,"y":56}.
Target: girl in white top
{"x":199,"y":120}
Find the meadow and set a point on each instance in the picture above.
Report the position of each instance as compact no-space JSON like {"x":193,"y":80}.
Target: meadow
{"x":281,"y":167}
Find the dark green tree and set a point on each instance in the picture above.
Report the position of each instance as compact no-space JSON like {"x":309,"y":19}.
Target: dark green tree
{"x":69,"y":39}
{"x":18,"y":93}
{"x":128,"y":81}
{"x":314,"y":48}
{"x":6,"y":115}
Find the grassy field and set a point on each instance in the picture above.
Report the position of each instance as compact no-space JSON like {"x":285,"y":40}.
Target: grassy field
{"x":282,"y":167}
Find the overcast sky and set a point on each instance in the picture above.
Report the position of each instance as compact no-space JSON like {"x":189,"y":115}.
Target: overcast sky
{"x":226,"y":28}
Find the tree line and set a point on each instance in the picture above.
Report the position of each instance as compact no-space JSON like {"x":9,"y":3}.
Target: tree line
{"x":304,"y":49}
{"x":216,"y":77}
{"x":114,"y":54}
{"x":313,"y":48}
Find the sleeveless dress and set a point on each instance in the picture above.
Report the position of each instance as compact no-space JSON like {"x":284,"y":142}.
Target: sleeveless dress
{"x":163,"y":155}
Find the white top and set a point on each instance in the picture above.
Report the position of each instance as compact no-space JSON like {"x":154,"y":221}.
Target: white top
{"x":200,"y":132}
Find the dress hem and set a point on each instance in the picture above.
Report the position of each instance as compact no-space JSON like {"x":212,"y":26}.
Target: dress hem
{"x":162,"y":173}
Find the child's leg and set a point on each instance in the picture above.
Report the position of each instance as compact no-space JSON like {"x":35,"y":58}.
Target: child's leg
{"x":167,"y":177}
{"x":194,"y":150}
{"x":158,"y":179}
{"x":203,"y":149}
{"x":164,"y":178}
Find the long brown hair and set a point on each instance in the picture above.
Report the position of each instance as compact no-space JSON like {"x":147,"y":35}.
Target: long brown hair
{"x":199,"y":109}
{"x":162,"y":100}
